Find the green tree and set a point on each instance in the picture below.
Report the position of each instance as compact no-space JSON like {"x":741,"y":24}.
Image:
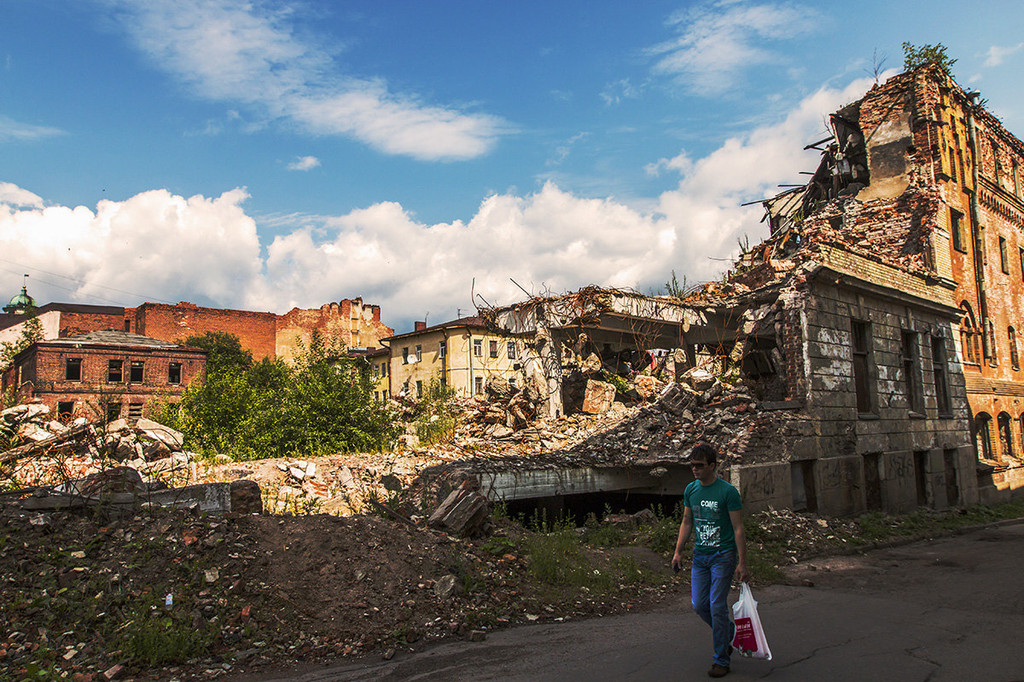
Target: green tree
{"x":321,"y":404}
{"x":31,"y":332}
{"x":915,"y":56}
{"x":224,"y":351}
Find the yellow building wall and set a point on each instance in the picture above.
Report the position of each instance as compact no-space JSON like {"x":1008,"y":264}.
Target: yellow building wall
{"x":465,"y":366}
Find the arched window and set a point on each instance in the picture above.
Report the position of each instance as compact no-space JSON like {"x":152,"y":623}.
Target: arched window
{"x":1013,"y":347}
{"x":970,"y":336}
{"x":983,"y":435}
{"x":1005,"y":437}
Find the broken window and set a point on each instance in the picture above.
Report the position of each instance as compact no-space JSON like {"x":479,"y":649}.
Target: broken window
{"x":1013,"y":347}
{"x":73,"y":369}
{"x":1004,"y":258}
{"x":1005,"y":436}
{"x":405,"y":355}
{"x":912,"y":372}
{"x":862,"y":367}
{"x":956,"y":227}
{"x":442,"y":350}
{"x":478,"y":385}
{"x":494,"y":349}
{"x":511,"y":350}
{"x":65,"y":410}
{"x":114,"y":368}
{"x":134,"y":410}
{"x":174,"y":373}
{"x":478,"y":348}
{"x":983,"y":435}
{"x":113,"y":411}
{"x":136,"y":372}
{"x":970,"y":336}
{"x":940,"y":378}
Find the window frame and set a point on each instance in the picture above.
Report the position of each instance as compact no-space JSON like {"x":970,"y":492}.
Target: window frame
{"x":75,"y":363}
{"x":956,"y":229}
{"x":940,"y":377}
{"x":141,"y":366}
{"x":110,"y":371}
{"x":910,"y":357}
{"x":492,"y":349}
{"x":864,"y":386}
{"x":478,"y":348}
{"x":171,"y":367}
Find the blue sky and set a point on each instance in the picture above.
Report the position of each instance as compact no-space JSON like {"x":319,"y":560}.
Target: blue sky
{"x":266,"y":155}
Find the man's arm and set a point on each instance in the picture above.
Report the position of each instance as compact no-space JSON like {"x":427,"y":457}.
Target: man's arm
{"x":685,"y":529}
{"x":741,"y":544}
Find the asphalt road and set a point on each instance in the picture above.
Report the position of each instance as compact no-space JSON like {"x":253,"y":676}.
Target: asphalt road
{"x":947,"y":609}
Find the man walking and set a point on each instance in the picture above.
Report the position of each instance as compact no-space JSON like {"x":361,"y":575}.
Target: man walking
{"x":712,"y":513}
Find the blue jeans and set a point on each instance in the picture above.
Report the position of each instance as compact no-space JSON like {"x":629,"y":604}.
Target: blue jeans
{"x":710,"y":579}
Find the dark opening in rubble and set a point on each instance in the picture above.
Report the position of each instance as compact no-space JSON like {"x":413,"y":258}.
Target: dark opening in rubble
{"x":576,"y":508}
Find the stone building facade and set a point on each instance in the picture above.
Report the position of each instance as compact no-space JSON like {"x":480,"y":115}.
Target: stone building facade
{"x":919,"y":172}
{"x":108,"y":374}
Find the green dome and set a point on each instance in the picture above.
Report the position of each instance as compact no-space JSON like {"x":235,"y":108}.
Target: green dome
{"x":20,"y":303}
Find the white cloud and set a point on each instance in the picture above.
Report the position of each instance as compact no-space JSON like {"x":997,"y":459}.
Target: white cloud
{"x":247,"y":52}
{"x":11,"y":130}
{"x":618,"y":90}
{"x":996,"y":55}
{"x":207,"y":249}
{"x":717,"y":41}
{"x":13,"y":195}
{"x":304,"y":163}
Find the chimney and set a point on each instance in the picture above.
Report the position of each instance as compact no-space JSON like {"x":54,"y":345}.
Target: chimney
{"x":420,"y":326}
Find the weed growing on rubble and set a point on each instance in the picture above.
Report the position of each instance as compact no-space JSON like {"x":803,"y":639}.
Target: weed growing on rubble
{"x":151,"y":637}
{"x":436,"y":414}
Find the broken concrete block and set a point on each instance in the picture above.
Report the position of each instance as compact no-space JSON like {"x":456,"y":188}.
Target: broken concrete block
{"x":33,"y":432}
{"x":446,"y":587}
{"x":699,"y":379}
{"x":647,"y":386}
{"x":599,"y":397}
{"x":165,"y":434}
{"x":297,"y":473}
{"x":245,"y":497}
{"x":462,"y":513}
{"x":24,"y":412}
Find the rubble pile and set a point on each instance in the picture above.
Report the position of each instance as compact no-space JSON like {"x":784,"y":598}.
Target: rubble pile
{"x":48,"y":452}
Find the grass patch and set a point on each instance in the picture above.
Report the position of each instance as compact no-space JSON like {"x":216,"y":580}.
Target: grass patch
{"x":152,"y":637}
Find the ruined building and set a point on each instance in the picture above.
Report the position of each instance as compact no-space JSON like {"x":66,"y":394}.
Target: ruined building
{"x":266,"y":335}
{"x":876,"y":326}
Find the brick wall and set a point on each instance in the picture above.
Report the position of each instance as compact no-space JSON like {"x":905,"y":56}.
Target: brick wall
{"x":46,"y":371}
{"x":256,"y":331}
{"x":348,"y":322}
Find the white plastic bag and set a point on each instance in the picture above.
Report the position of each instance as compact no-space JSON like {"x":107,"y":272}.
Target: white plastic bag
{"x":749,"y":639}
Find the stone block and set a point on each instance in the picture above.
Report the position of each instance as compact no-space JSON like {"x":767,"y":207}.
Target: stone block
{"x":599,"y":397}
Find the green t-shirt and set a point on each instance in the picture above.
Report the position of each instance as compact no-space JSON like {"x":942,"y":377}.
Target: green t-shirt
{"x":710,"y":506}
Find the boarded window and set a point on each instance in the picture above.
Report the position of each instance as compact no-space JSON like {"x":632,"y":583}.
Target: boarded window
{"x":174,"y":373}
{"x":73,"y":369}
{"x":956,"y":227}
{"x":137,"y":373}
{"x":1005,"y":437}
{"x":912,"y":372}
{"x":940,"y":376}
{"x":134,"y":410}
{"x":862,"y":366}
{"x":114,"y":371}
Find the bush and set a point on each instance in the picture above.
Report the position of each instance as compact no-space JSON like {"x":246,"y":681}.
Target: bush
{"x":321,"y":404}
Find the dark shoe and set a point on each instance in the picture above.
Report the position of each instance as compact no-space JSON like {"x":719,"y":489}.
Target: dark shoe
{"x":718,"y":670}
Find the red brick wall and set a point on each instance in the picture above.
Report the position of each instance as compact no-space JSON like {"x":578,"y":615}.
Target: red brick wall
{"x":348,"y":322}
{"x":256,"y":331}
{"x":46,"y":370}
{"x":72,"y":323}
